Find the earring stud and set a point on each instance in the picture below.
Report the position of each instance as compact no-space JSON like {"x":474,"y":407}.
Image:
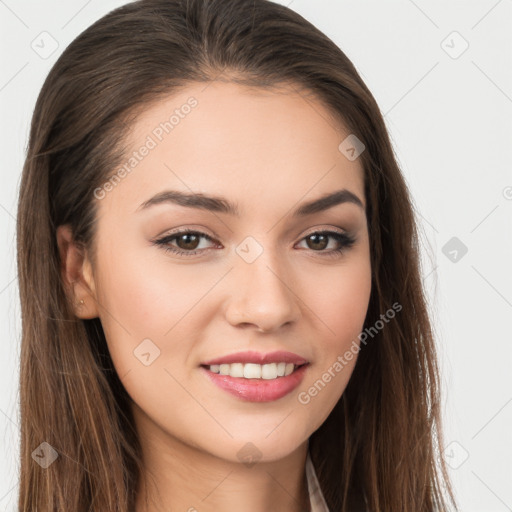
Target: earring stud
{"x":80,"y":302}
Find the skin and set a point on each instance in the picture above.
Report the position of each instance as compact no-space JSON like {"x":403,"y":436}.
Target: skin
{"x":268,"y":151}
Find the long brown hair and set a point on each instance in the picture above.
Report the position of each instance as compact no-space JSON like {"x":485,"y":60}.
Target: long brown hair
{"x":378,"y":448}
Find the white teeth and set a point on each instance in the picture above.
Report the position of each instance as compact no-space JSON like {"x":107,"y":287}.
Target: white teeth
{"x":237,"y":370}
{"x":254,"y":371}
{"x":269,"y":371}
{"x":288,"y":369}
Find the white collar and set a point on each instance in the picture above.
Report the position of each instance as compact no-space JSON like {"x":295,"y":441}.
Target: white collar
{"x":316,"y":497}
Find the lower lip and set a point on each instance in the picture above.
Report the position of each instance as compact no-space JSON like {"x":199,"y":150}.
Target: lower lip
{"x":257,"y":390}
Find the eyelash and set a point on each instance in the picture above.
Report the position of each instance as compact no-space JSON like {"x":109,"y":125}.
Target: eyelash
{"x":344,"y":240}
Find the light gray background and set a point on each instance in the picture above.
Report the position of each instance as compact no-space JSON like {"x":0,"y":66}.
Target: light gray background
{"x":449,"y":115}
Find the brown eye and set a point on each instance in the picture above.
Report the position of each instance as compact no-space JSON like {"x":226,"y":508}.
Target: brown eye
{"x":187,"y":241}
{"x":318,"y":241}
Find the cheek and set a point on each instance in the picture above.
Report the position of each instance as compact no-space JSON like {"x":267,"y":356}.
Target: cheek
{"x":339,"y":298}
{"x":146,"y":295}
{"x":340,"y":302}
{"x":152,"y":312}
{"x":149,"y":316}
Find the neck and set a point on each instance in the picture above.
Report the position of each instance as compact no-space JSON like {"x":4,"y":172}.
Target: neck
{"x":178,"y":476}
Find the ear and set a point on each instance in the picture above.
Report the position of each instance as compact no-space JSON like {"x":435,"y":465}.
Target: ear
{"x":77,"y":276}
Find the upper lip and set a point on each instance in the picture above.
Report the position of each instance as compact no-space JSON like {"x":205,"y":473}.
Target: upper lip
{"x":279,"y":356}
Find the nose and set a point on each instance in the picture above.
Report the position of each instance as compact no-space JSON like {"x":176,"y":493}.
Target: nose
{"x":263,"y":295}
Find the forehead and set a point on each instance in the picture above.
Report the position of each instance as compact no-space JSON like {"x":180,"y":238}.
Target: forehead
{"x":250,"y":144}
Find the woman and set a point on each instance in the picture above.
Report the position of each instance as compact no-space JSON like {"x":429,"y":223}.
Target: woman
{"x":219,"y":276}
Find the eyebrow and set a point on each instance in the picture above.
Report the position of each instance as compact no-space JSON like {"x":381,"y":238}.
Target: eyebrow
{"x":220,"y":205}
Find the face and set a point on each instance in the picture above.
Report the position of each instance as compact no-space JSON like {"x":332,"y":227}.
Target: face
{"x":181,"y":282}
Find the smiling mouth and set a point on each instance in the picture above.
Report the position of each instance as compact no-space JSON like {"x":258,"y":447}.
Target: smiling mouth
{"x":252,"y":382}
{"x":250,"y":371}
